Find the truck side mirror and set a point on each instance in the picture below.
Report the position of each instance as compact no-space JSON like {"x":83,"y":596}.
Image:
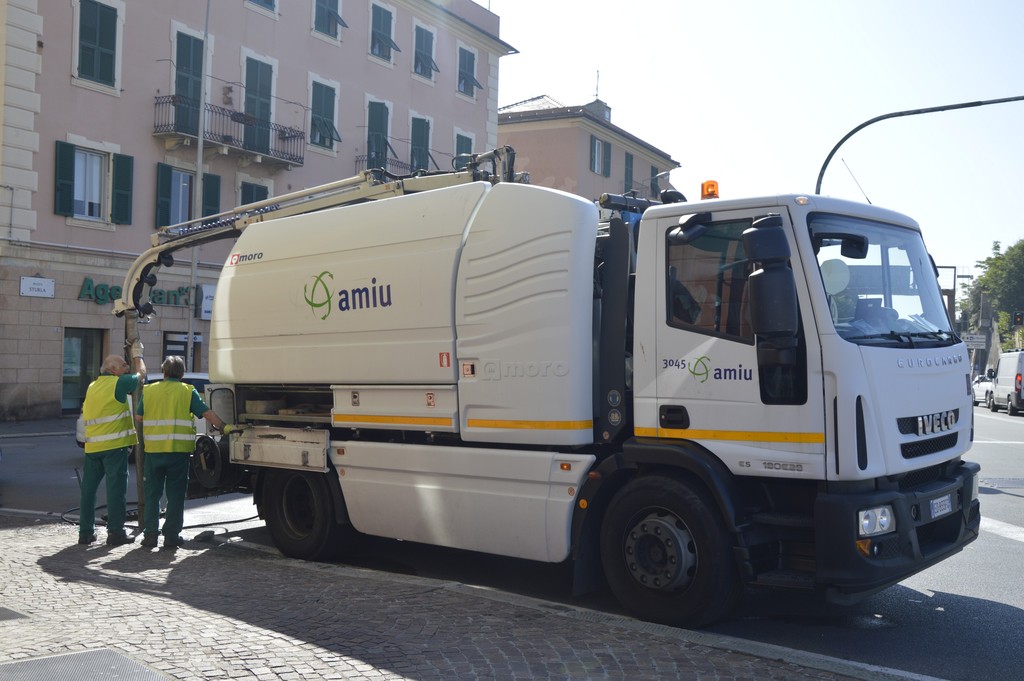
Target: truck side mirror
{"x":774,"y":315}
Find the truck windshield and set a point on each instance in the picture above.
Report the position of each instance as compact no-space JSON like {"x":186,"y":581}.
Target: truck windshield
{"x":879,"y":282}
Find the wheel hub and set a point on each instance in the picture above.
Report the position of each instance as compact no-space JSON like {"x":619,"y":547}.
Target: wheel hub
{"x":659,"y":552}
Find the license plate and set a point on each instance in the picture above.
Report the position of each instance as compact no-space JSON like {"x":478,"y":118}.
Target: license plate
{"x":942,"y":506}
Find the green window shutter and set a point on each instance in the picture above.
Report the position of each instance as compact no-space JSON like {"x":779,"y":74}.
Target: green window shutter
{"x":606,"y":161}
{"x":381,"y":43}
{"x":463,"y":145}
{"x":163,"y":195}
{"x":97,"y":42}
{"x":627,"y":183}
{"x":252,"y":192}
{"x":121,"y":196}
{"x":211,"y":194}
{"x":593,"y":152}
{"x":420,"y":143}
{"x":64,"y":180}
{"x":468,"y":84}
{"x":377,"y":138}
{"x":322,"y":131}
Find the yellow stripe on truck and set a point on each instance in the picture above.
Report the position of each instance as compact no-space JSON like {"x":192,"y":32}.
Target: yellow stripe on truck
{"x":393,"y":420}
{"x":529,"y":425}
{"x":736,"y":435}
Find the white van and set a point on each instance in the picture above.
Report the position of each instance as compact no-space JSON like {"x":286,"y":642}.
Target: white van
{"x":1006,"y":383}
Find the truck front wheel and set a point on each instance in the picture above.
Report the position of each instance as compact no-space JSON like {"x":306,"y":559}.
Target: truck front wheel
{"x":667,"y":555}
{"x":300,"y":514}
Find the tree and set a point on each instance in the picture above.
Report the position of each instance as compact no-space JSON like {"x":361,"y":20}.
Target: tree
{"x":1002,"y":285}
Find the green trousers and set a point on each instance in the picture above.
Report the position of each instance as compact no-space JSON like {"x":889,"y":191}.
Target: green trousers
{"x":112,"y":465}
{"x":165,"y":472}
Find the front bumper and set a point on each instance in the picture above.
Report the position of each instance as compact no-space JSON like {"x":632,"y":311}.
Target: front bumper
{"x":920,"y":539}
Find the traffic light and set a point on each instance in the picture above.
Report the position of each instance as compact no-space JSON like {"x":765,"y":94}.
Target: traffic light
{"x":1018,"y":318}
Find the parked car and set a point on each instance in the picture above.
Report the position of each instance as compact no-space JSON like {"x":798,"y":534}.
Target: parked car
{"x":1006,"y":383}
{"x":982,"y":387}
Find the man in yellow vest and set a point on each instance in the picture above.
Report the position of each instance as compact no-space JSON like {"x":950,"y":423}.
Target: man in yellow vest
{"x":169,"y":438}
{"x":109,"y":435}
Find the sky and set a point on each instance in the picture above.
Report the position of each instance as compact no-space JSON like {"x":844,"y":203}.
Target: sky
{"x":756,"y":94}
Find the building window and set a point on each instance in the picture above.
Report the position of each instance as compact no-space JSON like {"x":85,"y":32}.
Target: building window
{"x":252,"y":192}
{"x":468,"y":83}
{"x":377,"y":136}
{"x":463,"y":148}
{"x":419,"y":157}
{"x":627,"y":183}
{"x":97,"y":42}
{"x":600,"y":156}
{"x":188,"y":78}
{"x":90,"y":173}
{"x":259,"y":78}
{"x":381,"y":42}
{"x":265,"y":4}
{"x":326,"y":18}
{"x":424,"y":63}
{"x":323,"y":132}
{"x":82,"y":190}
{"x":655,"y":187}
{"x":174,"y":195}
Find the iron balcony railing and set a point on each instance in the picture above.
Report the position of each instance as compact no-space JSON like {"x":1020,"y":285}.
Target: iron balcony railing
{"x":177,"y":115}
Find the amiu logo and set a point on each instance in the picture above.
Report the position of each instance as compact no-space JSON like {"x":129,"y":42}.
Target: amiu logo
{"x":318,"y":295}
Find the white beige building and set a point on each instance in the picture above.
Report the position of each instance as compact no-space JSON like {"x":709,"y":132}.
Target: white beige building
{"x":101,"y":114}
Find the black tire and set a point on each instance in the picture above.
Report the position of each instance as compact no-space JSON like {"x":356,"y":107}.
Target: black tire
{"x":992,"y":406}
{"x":300,"y":515}
{"x":667,"y":555}
{"x":1010,"y":409}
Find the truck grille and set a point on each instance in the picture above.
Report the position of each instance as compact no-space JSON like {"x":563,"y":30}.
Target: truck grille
{"x":922,"y":476}
{"x":912,"y":450}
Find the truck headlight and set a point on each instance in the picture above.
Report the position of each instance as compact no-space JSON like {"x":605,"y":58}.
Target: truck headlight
{"x":874,"y":521}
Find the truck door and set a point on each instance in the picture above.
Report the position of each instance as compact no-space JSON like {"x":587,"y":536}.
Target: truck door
{"x":758,"y":409}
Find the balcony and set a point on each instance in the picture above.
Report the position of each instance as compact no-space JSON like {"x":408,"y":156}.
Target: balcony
{"x":234,"y":132}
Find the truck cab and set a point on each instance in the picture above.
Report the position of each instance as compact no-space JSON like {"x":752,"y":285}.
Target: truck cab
{"x":843,"y":426}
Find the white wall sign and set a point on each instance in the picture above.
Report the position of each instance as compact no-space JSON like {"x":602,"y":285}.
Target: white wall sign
{"x":38,"y":287}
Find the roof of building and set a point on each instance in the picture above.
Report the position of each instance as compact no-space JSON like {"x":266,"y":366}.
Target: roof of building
{"x":544,"y":108}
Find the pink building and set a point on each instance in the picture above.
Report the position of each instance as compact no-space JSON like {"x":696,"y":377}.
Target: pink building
{"x":578,"y":149}
{"x":103,"y":101}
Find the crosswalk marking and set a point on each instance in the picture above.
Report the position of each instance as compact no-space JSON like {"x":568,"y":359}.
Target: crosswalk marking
{"x":1006,"y":530}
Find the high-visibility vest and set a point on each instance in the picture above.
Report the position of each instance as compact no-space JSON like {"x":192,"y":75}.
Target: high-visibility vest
{"x":167,"y":424}
{"x":108,"y":423}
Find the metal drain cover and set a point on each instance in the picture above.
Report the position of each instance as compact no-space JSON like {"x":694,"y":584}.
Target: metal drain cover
{"x":95,"y":665}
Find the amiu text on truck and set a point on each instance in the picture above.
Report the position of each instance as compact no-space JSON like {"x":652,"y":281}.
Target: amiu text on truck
{"x":684,"y":399}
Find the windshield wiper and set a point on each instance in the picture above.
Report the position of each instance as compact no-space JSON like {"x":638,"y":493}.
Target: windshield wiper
{"x":888,"y":335}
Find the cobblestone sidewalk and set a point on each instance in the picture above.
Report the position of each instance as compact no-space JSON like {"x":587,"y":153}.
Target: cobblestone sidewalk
{"x":221,"y":611}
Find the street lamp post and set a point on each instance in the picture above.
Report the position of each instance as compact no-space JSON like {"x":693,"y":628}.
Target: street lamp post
{"x":910,"y":112}
{"x":197,"y":196}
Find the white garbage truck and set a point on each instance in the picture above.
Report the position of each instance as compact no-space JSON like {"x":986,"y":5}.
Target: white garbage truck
{"x":684,"y":399}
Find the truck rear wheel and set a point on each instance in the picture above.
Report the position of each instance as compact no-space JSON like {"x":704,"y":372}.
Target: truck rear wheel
{"x":667,"y":555}
{"x":300,"y":515}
